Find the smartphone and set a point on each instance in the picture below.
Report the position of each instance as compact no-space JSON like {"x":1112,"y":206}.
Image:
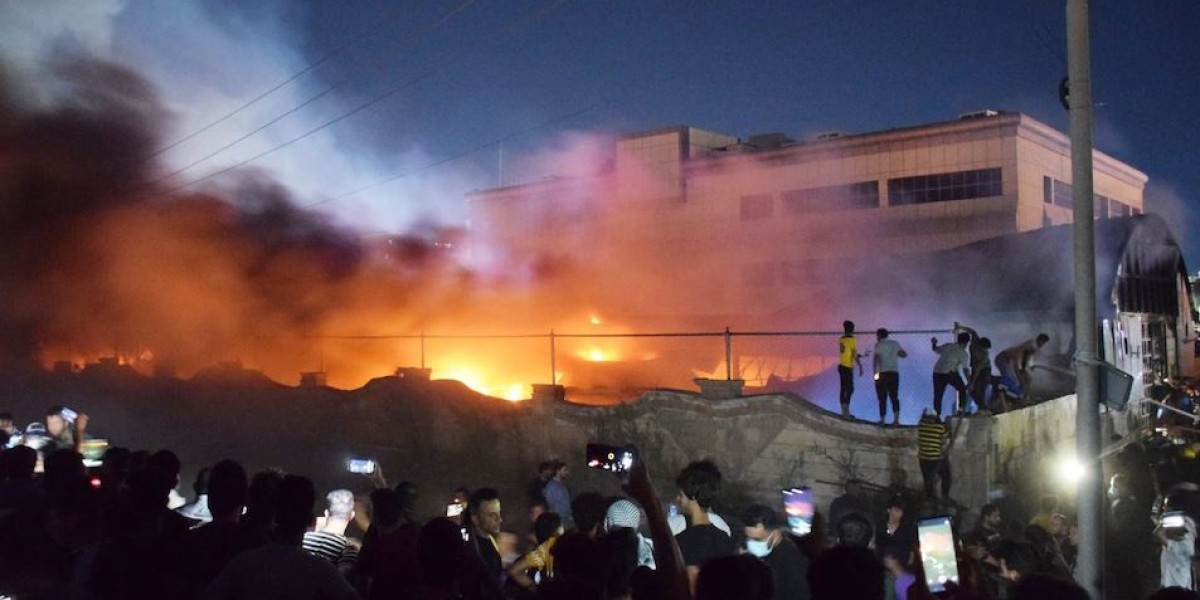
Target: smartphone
{"x":364,"y":466}
{"x":454,"y":509}
{"x":672,"y":510}
{"x":610,"y":458}
{"x":938,"y":555}
{"x":68,"y":415}
{"x":799,"y":508}
{"x":1173,"y":520}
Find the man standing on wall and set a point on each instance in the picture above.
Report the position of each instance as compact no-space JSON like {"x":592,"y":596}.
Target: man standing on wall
{"x":952,"y":358}
{"x":847,"y":357}
{"x":887,"y":374}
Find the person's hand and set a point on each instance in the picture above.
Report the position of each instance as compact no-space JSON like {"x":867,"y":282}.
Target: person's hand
{"x":638,"y":485}
{"x":81,"y":422}
{"x":377,"y":478}
{"x":933,"y":341}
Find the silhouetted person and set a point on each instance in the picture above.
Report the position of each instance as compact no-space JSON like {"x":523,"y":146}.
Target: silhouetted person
{"x":387,"y":565}
{"x":895,"y":529}
{"x":853,"y":501}
{"x":281,"y":568}
{"x":847,"y":572}
{"x":740,"y":577}
{"x":441,"y":558}
{"x":486,"y":519}
{"x":261,"y":500}
{"x":203,"y":552}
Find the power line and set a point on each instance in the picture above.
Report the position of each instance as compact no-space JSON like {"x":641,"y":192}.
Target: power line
{"x":411,"y":41}
{"x":364,"y":34}
{"x":524,"y":23}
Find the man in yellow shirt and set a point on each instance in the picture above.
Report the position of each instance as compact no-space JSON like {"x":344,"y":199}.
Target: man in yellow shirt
{"x":847,"y":357}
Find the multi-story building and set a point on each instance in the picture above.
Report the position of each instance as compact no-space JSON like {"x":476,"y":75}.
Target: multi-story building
{"x":740,"y":228}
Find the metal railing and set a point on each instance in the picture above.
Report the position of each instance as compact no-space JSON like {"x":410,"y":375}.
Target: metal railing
{"x":552,"y":338}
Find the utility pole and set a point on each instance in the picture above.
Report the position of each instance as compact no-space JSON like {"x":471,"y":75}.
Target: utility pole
{"x":1089,"y":570}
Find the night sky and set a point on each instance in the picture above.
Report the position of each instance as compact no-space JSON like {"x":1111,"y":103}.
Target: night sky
{"x":445,"y":81}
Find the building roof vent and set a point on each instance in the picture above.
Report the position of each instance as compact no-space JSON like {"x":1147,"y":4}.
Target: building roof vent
{"x":979,"y":114}
{"x":769,"y":141}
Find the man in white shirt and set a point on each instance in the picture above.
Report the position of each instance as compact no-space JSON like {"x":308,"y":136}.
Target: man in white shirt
{"x":887,"y":374}
{"x":952,"y":359}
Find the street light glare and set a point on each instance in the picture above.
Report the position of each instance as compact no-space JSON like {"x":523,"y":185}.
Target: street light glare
{"x":1071,"y":471}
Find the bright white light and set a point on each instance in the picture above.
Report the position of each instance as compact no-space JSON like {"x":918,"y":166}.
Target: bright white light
{"x":1071,"y":471}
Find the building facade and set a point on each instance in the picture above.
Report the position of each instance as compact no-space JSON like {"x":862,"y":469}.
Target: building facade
{"x":746,"y":226}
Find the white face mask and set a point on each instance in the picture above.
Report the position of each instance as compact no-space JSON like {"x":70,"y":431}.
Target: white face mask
{"x":759,"y":548}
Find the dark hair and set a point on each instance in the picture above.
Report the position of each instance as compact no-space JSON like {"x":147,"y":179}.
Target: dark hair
{"x":896,"y":500}
{"x":544,"y":466}
{"x":881,"y":333}
{"x":738,"y":576}
{"x":1042,"y":338}
{"x":844,"y":572}
{"x":588,"y":510}
{"x":964,"y":338}
{"x":700,"y":481}
{"x":200,"y":485}
{"x":985,"y":342}
{"x":758,"y":514}
{"x":546,"y":526}
{"x":848,"y":326}
{"x":227,"y":485}
{"x":407,"y":494}
{"x":18,"y":462}
{"x":480,"y":496}
{"x":262,"y":498}
{"x":55,"y":411}
{"x":7,"y":416}
{"x":987,"y":510}
{"x":855,"y":530}
{"x":295,"y":508}
{"x":578,"y":558}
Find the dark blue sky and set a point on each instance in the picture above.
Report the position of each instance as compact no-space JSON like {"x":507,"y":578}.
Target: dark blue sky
{"x":746,"y":68}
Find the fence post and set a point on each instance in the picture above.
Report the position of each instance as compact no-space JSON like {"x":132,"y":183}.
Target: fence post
{"x":553,"y":364}
{"x":422,"y":349}
{"x":728,"y":354}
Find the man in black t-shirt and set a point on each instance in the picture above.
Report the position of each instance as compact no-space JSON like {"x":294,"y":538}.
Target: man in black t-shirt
{"x":699,"y":485}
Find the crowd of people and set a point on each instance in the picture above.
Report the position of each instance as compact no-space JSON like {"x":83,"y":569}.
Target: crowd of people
{"x":965,"y":365}
{"x":122,"y":531}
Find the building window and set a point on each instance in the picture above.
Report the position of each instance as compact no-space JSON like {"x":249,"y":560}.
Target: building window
{"x":1059,"y":193}
{"x":945,"y":187}
{"x":757,"y":206}
{"x":864,"y":194}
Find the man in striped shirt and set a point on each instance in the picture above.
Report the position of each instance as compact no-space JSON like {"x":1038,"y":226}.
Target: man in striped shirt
{"x":329,"y":541}
{"x":932,"y":435}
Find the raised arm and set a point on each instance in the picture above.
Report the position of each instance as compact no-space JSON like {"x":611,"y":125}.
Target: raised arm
{"x":667,"y":559}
